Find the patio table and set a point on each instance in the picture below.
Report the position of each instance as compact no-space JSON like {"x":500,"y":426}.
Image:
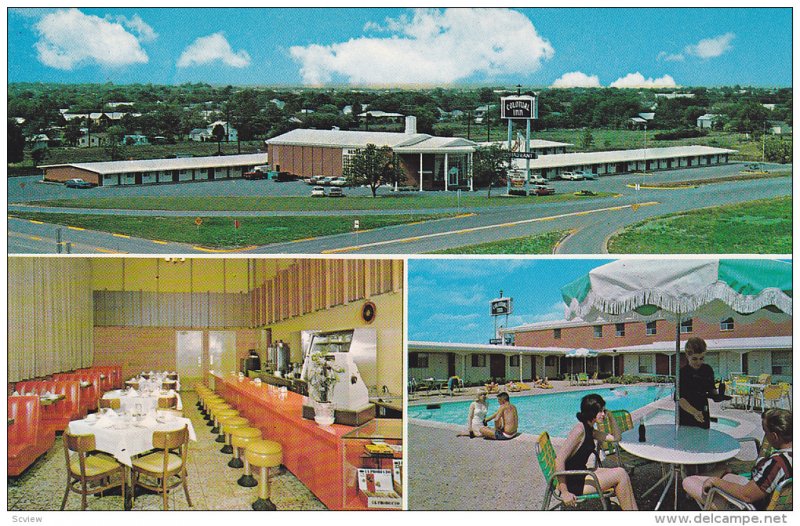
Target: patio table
{"x":678,"y":447}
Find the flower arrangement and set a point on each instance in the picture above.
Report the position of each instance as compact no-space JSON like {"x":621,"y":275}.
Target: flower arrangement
{"x":323,"y":377}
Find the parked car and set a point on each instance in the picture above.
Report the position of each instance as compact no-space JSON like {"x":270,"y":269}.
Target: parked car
{"x":255,"y":174}
{"x":325,"y":181}
{"x":584,"y":193}
{"x":79,"y":183}
{"x":339,"y":181}
{"x":284,"y":177}
{"x":585,"y":174}
{"x":318,"y":191}
{"x":541,"y":189}
{"x":537,"y":179}
{"x":572,"y":176}
{"x":336,"y":191}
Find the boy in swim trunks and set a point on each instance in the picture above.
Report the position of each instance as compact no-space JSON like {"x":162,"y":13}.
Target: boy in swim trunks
{"x":505,"y":421}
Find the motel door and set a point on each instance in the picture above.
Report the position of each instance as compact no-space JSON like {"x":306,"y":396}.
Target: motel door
{"x":451,"y":364}
{"x":189,"y":356}
{"x":497,"y":366}
{"x":222,"y":352}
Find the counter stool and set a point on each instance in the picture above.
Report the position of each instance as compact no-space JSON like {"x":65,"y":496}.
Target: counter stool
{"x":231,"y":423}
{"x":213,"y":409}
{"x":264,"y":454}
{"x":208,"y":402}
{"x":240,"y":438}
{"x":218,"y":417}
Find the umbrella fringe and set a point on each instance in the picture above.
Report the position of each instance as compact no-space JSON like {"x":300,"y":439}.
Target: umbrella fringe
{"x":594,"y":306}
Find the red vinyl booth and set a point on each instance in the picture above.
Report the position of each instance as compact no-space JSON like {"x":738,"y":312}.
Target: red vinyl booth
{"x":89,"y":394}
{"x":27,"y":437}
{"x":59,"y":414}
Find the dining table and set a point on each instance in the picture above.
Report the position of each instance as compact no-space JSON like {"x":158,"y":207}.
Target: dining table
{"x":677,"y":447}
{"x":146,"y":400}
{"x":124,"y":436}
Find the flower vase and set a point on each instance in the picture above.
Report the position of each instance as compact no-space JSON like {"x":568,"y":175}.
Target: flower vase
{"x":324,"y":413}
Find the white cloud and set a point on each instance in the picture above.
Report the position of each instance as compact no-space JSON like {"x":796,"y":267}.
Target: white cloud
{"x":138,"y":26}
{"x":431,"y":47}
{"x":213,"y":48}
{"x":671,"y":57}
{"x":637,"y":80}
{"x":711,"y":47}
{"x":70,"y":39}
{"x":577,"y":79}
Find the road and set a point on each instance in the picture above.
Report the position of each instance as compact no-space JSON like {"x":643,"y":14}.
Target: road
{"x":591,"y":221}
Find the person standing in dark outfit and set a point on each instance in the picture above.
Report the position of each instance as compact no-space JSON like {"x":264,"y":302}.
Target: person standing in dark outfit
{"x":696,"y":386}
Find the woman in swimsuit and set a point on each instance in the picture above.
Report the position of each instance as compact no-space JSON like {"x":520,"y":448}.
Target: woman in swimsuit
{"x":575,"y":453}
{"x":477,"y":412}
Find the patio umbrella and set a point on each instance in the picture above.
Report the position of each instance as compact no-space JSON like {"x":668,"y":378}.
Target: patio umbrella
{"x":581,"y":352}
{"x":678,"y":289}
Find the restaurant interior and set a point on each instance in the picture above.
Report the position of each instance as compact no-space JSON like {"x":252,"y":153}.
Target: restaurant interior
{"x":216,"y":383}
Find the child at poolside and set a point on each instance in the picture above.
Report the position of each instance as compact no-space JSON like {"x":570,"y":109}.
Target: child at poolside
{"x":767,"y":474}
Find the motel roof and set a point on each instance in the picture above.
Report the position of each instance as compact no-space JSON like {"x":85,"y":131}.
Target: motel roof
{"x":559,"y":160}
{"x":152,"y":165}
{"x":535,"y":144}
{"x":399,"y":142}
{"x":769,"y":343}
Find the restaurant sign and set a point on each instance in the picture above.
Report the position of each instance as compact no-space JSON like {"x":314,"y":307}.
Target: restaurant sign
{"x":519,"y":107}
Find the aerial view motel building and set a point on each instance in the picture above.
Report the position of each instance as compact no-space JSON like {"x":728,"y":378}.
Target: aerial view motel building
{"x":152,"y":171}
{"x":429,"y":163}
{"x":626,"y":161}
{"x":633,"y":348}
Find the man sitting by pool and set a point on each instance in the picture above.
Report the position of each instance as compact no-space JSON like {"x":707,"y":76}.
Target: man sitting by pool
{"x":505,"y":421}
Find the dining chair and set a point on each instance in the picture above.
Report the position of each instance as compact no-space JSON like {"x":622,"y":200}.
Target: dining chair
{"x":110,"y":403}
{"x":771,"y":394}
{"x":89,"y":471}
{"x":164,"y":469}
{"x":168,"y":402}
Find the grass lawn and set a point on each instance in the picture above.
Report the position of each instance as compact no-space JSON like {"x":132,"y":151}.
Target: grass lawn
{"x":755,"y":227}
{"x":219,"y":232}
{"x":541,"y":244}
{"x":399,"y":201}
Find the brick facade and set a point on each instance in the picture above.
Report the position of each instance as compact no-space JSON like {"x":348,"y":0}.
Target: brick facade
{"x":65,"y":173}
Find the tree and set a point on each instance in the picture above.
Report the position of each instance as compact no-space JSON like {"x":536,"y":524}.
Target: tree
{"x":490,"y":164}
{"x":587,"y":139}
{"x":72,"y":132}
{"x":38,"y":154}
{"x":218,"y":135}
{"x":16,"y":142}
{"x":373,"y":166}
{"x":776,"y":150}
{"x":114,"y":148}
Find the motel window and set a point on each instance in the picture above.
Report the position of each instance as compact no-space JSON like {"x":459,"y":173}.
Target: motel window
{"x":686,"y":326}
{"x":782,"y":363}
{"x":514,"y":361}
{"x":598,"y":331}
{"x":556,"y":334}
{"x":620,"y":329}
{"x":726,"y":324}
{"x":479,"y":360}
{"x":645,"y":364}
{"x":650,"y":328}
{"x":550,"y":361}
{"x":418,"y":360}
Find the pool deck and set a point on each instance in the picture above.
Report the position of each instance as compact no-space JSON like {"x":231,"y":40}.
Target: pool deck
{"x":446,"y":472}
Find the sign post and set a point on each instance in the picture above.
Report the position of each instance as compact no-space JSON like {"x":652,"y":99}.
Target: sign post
{"x":520,"y":107}
{"x":501,"y":306}
{"x":356,"y":226}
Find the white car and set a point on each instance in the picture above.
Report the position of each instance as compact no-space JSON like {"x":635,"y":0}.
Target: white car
{"x":538,"y":179}
{"x":572,"y":176}
{"x":339,"y":181}
{"x":318,"y":191}
{"x":585,"y":174}
{"x":325,"y":181}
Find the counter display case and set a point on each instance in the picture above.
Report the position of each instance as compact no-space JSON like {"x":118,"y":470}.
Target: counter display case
{"x":373,"y":465}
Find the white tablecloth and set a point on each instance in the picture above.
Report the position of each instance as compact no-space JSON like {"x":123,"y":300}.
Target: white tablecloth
{"x":125,"y":440}
{"x":149,"y":402}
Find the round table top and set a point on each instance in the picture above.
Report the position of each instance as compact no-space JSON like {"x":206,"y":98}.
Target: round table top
{"x":684,"y":445}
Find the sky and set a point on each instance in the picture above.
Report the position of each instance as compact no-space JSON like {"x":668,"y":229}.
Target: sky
{"x":449,"y":47}
{"x":448,"y":299}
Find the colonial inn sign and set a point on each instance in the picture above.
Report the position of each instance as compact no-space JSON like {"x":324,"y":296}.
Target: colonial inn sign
{"x":523,"y":107}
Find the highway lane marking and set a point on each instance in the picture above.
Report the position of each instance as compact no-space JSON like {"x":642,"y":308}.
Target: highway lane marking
{"x":51,"y":240}
{"x":223,"y":250}
{"x":76,"y":228}
{"x":122,"y":236}
{"x":36,"y":222}
{"x":159,"y":242}
{"x":487,"y":227}
{"x":109,"y":251}
{"x":687,"y":187}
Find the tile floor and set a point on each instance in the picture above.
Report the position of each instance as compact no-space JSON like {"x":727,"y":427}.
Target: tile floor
{"x":212,"y":484}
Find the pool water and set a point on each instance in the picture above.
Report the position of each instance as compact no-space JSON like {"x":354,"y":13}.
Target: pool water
{"x":554,"y":413}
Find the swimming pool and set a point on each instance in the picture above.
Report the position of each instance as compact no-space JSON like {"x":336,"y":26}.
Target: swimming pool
{"x":554,"y":413}
{"x":665,"y":416}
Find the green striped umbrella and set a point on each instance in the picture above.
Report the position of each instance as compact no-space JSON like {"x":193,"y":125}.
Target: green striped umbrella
{"x":678,"y":289}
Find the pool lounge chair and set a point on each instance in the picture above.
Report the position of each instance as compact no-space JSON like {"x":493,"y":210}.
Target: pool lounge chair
{"x":612,"y":449}
{"x":781,"y":499}
{"x":546,"y":455}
